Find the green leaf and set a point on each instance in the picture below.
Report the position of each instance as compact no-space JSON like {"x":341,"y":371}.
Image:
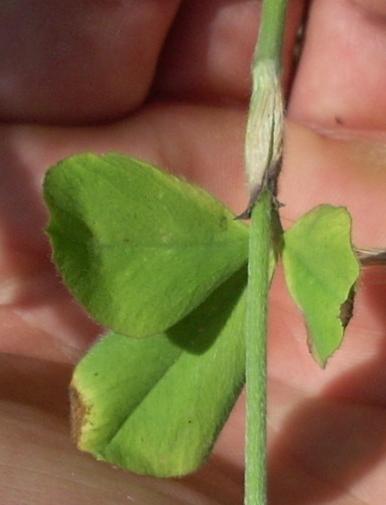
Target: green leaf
{"x":139,"y":248}
{"x":321,"y":269}
{"x":155,"y":406}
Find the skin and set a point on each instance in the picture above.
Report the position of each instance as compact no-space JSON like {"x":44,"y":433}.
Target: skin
{"x":103,"y":76}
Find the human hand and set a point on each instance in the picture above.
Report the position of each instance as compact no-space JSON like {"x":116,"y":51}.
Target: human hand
{"x":185,"y":111}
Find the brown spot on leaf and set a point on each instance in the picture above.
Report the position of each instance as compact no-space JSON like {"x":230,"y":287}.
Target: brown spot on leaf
{"x":347,"y":308}
{"x":79,"y":414}
{"x":311,"y":348}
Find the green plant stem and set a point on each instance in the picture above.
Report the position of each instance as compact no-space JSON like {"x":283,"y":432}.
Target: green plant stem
{"x":268,"y":52}
{"x":272,"y":24}
{"x":256,"y":323}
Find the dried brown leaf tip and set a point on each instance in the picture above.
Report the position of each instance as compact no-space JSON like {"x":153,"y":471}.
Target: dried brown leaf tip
{"x":79,"y":413}
{"x":347,"y":308}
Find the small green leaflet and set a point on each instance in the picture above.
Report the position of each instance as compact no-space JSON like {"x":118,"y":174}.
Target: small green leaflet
{"x":137,"y":247}
{"x":321,"y":270}
{"x":156,"y":405}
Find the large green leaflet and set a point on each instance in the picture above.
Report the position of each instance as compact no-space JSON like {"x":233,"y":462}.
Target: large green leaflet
{"x":321,"y":270}
{"x":150,"y":255}
{"x":116,"y":221}
{"x":155,"y":405}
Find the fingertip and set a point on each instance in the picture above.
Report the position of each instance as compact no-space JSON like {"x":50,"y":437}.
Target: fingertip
{"x":76,"y":62}
{"x":209,"y":50}
{"x":342,"y":73}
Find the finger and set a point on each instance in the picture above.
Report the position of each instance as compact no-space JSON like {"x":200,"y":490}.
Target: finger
{"x":340,"y":80}
{"x":78,"y":61}
{"x":325,"y":450}
{"x":341,"y":169}
{"x":346,"y":172}
{"x":343,"y":164}
{"x":180,"y":138}
{"x":356,"y":372}
{"x":208,"y":52}
{"x":193,"y":150}
{"x":337,"y":90}
{"x":37,"y":316}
